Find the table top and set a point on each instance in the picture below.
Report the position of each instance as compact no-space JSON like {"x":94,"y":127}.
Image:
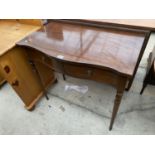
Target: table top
{"x":147,"y":24}
{"x":11,"y":32}
{"x":113,"y":49}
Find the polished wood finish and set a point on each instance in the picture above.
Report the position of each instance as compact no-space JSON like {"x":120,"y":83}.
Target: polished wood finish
{"x":147,"y":24}
{"x":115,"y":50}
{"x":95,"y":53}
{"x":18,"y":72}
{"x":137,"y":27}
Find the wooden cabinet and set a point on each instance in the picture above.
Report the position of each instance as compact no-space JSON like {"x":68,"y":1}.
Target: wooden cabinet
{"x":14,"y":30}
{"x":19,"y":73}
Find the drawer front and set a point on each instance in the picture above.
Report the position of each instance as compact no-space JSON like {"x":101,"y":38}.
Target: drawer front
{"x":78,"y":71}
{"x":91,"y":73}
{"x":105,"y":76}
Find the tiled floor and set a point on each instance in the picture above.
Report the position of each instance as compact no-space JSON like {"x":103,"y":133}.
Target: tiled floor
{"x":71,"y":112}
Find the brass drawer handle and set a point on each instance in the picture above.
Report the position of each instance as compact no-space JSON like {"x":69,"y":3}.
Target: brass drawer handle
{"x":89,"y":73}
{"x":15,"y":83}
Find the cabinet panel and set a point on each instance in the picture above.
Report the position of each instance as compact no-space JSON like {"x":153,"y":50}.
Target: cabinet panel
{"x":21,"y":76}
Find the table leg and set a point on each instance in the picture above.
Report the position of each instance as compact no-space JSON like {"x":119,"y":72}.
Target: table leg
{"x":64,"y":77}
{"x":144,"y":86}
{"x":147,"y":36}
{"x":39,"y":76}
{"x":120,"y":90}
{"x":149,"y":79}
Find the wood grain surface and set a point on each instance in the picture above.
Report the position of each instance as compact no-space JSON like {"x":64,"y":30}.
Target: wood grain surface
{"x":115,"y":49}
{"x":148,"y":24}
{"x":12,"y":32}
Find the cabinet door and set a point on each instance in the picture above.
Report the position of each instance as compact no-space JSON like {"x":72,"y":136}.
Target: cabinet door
{"x":21,"y":76}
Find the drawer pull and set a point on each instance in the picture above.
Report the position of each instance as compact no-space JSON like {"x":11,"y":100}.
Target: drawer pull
{"x":15,"y":83}
{"x":89,"y":72}
{"x":7,"y":69}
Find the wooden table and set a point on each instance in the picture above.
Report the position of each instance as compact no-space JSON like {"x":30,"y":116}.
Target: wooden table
{"x":90,"y":51}
{"x":145,"y":24}
{"x":14,"y":61}
{"x":135,"y":25}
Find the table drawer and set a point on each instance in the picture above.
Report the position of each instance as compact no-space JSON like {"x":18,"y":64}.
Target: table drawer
{"x":105,"y":76}
{"x":91,"y":73}
{"x":78,"y":71}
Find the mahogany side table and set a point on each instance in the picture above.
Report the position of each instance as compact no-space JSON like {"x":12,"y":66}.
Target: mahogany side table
{"x":91,"y":52}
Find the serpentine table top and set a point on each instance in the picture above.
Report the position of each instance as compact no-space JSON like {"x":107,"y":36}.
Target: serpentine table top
{"x":117,"y":50}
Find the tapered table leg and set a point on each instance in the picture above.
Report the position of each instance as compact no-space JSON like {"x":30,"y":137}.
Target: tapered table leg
{"x":64,"y":77}
{"x":149,"y":78}
{"x":120,"y":90}
{"x":39,"y":76}
{"x":144,"y":86}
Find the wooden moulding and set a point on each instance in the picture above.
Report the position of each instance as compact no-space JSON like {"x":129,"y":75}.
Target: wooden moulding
{"x":145,"y":24}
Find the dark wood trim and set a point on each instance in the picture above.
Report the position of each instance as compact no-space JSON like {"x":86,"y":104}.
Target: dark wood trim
{"x":99,"y":25}
{"x":134,"y":27}
{"x":119,"y":94}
